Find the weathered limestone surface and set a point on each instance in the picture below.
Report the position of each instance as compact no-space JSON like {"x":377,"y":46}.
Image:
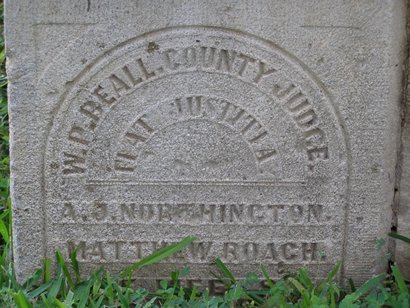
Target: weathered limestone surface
{"x":268,"y":129}
{"x":402,"y":200}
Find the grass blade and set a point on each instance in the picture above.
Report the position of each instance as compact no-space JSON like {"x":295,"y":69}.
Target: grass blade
{"x":69,"y":300}
{"x":123,"y":300}
{"x":225,"y":270}
{"x":305,"y":280}
{"x":58,"y":303}
{"x":108,"y":291}
{"x":332,"y":297}
{"x":226,"y":283}
{"x":400,"y":280}
{"x":47,"y":269}
{"x":99,"y":301}
{"x":83,"y":294}
{"x":301,"y":289}
{"x":55,"y":287}
{"x":21,"y":300}
{"x":159,"y":255}
{"x":298,"y":285}
{"x":330,"y":276}
{"x":40,"y":289}
{"x":366,"y":287}
{"x":33,"y":279}
{"x":400,"y":237}
{"x":4,"y":232}
{"x":46,"y":301}
{"x":60,"y":260}
{"x":267,"y":278}
{"x":150,"y":302}
{"x":75,"y":265}
{"x":370,"y":284}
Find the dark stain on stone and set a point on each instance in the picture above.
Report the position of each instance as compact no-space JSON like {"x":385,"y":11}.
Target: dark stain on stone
{"x":152,"y":47}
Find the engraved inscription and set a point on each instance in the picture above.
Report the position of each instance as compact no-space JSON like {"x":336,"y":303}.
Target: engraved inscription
{"x":197,"y":131}
{"x":199,"y":252}
{"x":194,"y":213}
{"x":201,"y":58}
{"x":188,"y":108}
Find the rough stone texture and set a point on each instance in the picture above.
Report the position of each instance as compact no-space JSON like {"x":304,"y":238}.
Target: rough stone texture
{"x":268,"y":129}
{"x":402,"y":250}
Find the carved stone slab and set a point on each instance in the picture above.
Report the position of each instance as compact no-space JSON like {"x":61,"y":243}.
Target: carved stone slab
{"x":266,"y":129}
{"x":402,"y":200}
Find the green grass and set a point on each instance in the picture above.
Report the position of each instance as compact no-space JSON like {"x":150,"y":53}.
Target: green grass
{"x":64,"y":287}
